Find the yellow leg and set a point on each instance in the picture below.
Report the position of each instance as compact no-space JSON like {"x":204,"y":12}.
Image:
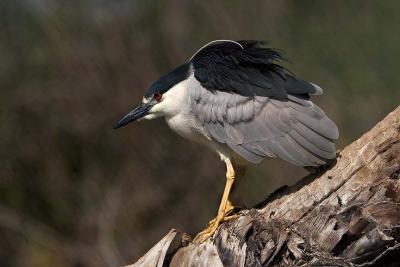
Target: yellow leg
{"x":224,"y":207}
{"x":229,"y":207}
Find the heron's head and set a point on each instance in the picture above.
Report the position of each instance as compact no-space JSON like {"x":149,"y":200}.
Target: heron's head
{"x":161,"y":98}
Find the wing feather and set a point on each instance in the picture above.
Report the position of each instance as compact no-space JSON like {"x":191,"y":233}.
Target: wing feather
{"x":245,"y":153}
{"x":248,"y":110}
{"x":247,"y":69}
{"x":217,"y":131}
{"x":311,"y":147}
{"x":306,"y":156}
{"x":257,"y":108}
{"x":294,"y":129}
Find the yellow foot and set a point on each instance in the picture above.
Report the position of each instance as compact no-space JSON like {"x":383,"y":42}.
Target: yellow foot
{"x":212,"y":227}
{"x":230,"y":217}
{"x":229,"y":208}
{"x":208,"y":232}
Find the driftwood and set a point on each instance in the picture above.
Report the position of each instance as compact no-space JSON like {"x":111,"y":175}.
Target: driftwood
{"x":347,"y":216}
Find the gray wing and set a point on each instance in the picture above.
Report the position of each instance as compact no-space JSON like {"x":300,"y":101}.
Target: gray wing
{"x":293,"y":129}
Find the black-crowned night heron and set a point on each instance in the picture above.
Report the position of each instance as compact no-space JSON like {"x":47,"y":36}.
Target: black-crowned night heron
{"x":234,"y":97}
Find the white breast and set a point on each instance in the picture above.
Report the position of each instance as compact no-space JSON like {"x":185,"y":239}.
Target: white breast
{"x":178,"y":114}
{"x":186,"y":126}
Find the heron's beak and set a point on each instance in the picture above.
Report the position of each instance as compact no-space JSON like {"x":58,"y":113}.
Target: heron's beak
{"x":133,"y":115}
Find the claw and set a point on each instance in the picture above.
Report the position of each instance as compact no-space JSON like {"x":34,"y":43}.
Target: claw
{"x":207,"y":233}
{"x":212,"y":227}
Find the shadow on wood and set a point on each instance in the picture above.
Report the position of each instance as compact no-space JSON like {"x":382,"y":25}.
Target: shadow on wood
{"x":347,"y":216}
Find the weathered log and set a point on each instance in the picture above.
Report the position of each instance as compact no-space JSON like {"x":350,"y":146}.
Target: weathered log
{"x":347,"y":216}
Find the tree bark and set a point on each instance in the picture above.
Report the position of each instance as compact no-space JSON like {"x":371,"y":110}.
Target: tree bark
{"x":347,"y":216}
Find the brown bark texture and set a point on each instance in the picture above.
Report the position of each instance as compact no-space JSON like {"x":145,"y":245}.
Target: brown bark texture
{"x":347,"y":216}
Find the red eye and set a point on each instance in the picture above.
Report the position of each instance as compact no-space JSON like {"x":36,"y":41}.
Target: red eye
{"x":157,"y":96}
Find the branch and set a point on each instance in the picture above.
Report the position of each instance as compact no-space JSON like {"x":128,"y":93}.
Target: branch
{"x":347,"y":216}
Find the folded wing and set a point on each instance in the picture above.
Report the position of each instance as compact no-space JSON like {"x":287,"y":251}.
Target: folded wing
{"x":255,"y":127}
{"x":246,"y":100}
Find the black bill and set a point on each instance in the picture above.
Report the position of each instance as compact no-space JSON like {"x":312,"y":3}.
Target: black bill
{"x":134,"y":115}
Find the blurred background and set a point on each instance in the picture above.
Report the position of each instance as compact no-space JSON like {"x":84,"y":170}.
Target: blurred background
{"x":75,"y":192}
